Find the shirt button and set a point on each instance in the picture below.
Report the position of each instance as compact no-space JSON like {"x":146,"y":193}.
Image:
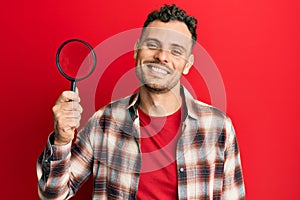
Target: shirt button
{"x":181,"y":169}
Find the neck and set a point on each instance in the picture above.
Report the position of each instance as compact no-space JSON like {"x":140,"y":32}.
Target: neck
{"x":160,"y":104}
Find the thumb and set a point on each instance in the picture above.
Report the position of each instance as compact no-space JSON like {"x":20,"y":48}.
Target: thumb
{"x":77,"y":91}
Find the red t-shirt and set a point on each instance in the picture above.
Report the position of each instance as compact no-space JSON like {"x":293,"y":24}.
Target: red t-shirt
{"x":158,"y":178}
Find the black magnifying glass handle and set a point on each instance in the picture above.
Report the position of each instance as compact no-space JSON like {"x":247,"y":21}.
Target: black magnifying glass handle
{"x":73,"y":86}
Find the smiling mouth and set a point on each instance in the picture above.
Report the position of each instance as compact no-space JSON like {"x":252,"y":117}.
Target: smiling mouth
{"x":157,"y":69}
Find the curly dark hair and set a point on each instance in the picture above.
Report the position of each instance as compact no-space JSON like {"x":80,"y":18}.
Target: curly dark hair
{"x":173,"y":12}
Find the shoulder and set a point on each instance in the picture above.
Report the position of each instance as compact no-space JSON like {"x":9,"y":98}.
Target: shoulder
{"x":209,"y":114}
{"x":207,"y":108}
{"x":215,"y":123}
{"x":199,"y":110}
{"x":207,"y":117}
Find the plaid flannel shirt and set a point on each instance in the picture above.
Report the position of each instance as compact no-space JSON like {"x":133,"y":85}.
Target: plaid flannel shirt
{"x":207,"y":155}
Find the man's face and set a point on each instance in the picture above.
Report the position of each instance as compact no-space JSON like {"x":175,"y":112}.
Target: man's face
{"x":162,"y":54}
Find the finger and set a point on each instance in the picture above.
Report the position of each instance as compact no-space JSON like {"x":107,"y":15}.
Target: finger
{"x":70,"y":124}
{"x":67,"y":125}
{"x":69,"y":130}
{"x":71,"y":106}
{"x":62,"y":117}
{"x":67,"y":96}
{"x":60,"y":109}
{"x":70,"y":115}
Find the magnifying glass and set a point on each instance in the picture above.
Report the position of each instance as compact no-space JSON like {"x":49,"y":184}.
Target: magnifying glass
{"x":75,"y":60}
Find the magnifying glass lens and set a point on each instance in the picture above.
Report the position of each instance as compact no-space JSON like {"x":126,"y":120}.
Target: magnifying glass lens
{"x":76,"y":59}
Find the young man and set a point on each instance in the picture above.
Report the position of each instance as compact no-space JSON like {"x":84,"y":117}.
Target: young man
{"x":157,"y":144}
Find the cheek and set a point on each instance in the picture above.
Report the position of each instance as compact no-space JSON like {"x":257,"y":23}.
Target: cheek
{"x":180,"y":65}
{"x":142,"y":54}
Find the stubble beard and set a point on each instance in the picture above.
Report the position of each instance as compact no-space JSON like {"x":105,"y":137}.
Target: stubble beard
{"x":154,"y":86}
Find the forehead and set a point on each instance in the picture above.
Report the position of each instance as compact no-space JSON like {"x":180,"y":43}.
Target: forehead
{"x":172,"y":31}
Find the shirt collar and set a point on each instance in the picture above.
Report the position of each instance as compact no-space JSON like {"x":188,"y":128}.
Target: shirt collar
{"x":188,"y":104}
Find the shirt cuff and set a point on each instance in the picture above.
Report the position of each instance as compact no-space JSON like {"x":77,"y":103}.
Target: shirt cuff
{"x":56,"y":152}
{"x":61,"y":152}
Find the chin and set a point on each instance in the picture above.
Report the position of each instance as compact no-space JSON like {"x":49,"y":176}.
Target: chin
{"x":156,"y":89}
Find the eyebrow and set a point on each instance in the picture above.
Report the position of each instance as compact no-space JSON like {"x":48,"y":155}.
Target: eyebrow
{"x":152,"y":39}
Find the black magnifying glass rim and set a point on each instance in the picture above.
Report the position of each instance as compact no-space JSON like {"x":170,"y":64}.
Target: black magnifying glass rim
{"x":60,"y":68}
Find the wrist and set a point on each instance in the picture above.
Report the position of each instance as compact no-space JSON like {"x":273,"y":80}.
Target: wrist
{"x":58,"y":141}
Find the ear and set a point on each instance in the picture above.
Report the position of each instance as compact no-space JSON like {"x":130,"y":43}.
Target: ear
{"x":136,"y":45}
{"x":188,"y":65}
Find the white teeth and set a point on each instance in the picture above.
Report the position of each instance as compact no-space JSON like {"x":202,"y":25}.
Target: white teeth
{"x":159,"y":70}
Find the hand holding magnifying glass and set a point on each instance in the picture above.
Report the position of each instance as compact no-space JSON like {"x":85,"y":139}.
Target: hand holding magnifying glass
{"x":75,"y":60}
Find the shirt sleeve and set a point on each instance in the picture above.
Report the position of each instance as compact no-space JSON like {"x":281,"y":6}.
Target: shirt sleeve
{"x":61,"y":170}
{"x":233,"y":183}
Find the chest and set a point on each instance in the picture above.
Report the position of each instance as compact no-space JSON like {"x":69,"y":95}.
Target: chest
{"x":118,"y":163}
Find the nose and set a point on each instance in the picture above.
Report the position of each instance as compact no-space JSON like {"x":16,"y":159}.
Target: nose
{"x":162,"y":55}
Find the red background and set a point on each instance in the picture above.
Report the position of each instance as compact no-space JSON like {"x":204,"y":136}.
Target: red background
{"x":255,"y":45}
